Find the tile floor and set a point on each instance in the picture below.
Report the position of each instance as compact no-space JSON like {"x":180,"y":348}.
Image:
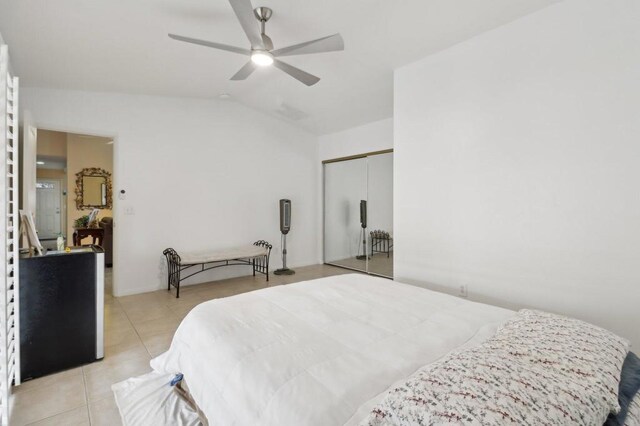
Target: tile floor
{"x":137,"y":328}
{"x":379,"y":264}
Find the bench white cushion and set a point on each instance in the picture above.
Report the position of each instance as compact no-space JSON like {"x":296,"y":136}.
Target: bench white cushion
{"x":209,"y":256}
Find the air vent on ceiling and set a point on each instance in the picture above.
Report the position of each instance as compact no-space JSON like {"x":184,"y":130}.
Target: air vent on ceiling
{"x":291,"y":113}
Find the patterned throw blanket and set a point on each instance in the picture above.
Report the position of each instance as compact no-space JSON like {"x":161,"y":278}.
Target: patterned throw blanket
{"x":538,"y":369}
{"x":633,"y":416}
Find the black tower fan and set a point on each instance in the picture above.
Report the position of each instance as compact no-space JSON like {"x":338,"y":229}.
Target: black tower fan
{"x":285,"y":226}
{"x":363,"y":231}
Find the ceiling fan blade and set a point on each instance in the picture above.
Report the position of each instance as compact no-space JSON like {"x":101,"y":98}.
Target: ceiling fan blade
{"x":212,"y":44}
{"x":296,"y":73}
{"x":244,"y":13}
{"x":245,"y":71}
{"x":330,"y":43}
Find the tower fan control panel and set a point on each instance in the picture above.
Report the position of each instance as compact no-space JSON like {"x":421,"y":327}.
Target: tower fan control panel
{"x":285,"y":216}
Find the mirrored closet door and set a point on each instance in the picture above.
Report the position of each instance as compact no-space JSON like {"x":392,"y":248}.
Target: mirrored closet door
{"x":358,"y":213}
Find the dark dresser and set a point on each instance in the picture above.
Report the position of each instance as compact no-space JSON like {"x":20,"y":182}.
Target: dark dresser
{"x":61,"y":310}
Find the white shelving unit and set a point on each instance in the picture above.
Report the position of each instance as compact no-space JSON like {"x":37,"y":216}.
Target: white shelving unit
{"x":9,"y":235}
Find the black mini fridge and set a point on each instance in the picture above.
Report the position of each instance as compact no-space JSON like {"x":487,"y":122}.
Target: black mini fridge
{"x":61,"y":310}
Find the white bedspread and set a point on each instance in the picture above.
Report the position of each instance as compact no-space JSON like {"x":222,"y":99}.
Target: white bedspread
{"x":208,"y":256}
{"x":318,"y":352}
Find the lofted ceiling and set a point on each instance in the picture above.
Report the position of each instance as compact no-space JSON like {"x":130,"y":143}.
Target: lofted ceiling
{"x":122,"y":46}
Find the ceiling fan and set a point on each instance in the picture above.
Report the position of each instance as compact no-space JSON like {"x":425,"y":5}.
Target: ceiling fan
{"x":262,"y":52}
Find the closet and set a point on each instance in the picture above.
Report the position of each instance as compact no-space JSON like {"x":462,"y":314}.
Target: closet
{"x":358,"y":213}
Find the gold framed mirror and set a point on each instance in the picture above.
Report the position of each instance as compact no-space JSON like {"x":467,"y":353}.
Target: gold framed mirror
{"x":93,"y":189}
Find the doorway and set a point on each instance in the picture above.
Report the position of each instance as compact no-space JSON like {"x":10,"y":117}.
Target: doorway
{"x":51,"y":187}
{"x":49,"y":217}
{"x":358,"y":213}
{"x":74,"y":178}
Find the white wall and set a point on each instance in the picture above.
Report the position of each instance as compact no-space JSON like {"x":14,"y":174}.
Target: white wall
{"x":199,"y":174}
{"x":517,"y":165}
{"x":374,"y":136}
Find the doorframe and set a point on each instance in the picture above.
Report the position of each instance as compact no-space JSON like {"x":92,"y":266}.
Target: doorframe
{"x":355,"y":157}
{"x":63,"y":204}
{"x":115,"y":178}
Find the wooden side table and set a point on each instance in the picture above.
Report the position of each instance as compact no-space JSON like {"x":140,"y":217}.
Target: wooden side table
{"x":95,"y":233}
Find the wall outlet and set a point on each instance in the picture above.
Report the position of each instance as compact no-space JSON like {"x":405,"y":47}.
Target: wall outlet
{"x":129,"y":211}
{"x":464,"y":292}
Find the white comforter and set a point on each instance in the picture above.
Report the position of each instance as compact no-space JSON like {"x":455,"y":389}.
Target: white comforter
{"x":318,"y":352}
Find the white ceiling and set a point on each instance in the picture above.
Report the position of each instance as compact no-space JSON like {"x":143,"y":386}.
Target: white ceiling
{"x":122,"y":46}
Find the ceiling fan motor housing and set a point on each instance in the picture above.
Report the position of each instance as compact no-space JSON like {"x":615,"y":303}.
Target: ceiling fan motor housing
{"x":262,"y":14}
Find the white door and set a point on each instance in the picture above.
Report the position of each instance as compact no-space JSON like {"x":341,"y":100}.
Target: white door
{"x":48,"y":203}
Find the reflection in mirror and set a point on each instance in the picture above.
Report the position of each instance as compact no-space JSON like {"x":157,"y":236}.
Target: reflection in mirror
{"x":380,"y":226}
{"x":93,"y":189}
{"x":346,"y":238}
{"x":345,"y":185}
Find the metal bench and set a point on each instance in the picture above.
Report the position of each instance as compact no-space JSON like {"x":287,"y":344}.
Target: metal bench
{"x":256,"y":256}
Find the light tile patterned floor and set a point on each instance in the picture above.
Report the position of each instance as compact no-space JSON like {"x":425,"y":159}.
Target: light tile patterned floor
{"x":379,"y":264}
{"x":137,"y":328}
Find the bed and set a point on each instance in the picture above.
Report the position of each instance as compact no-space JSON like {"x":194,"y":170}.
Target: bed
{"x":252,"y":358}
{"x":187,"y":264}
{"x":321,"y":352}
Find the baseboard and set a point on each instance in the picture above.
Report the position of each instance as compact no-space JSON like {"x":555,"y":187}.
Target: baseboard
{"x":149,"y":289}
{"x":138,"y":290}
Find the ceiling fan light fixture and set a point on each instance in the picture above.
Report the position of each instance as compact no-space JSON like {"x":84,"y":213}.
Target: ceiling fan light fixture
{"x":262,"y":58}
{"x":262,"y":52}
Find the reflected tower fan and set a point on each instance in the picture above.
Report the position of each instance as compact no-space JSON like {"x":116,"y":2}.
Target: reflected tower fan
{"x":285,"y":226}
{"x":363,"y":232}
